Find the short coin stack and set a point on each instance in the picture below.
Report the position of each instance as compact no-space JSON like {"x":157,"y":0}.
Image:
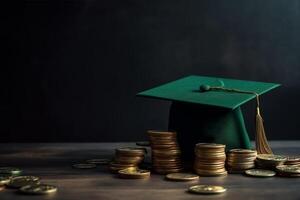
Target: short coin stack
{"x":269,"y":161}
{"x":210,"y":159}
{"x":292,"y":160}
{"x":127,"y":157}
{"x":239,"y":160}
{"x":288,"y":170}
{"x":165,"y":152}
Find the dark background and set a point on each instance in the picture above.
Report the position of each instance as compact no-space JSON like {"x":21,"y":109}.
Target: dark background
{"x":75,"y":66}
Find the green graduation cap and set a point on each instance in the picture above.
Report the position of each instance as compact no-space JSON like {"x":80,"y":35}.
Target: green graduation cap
{"x":208,"y":109}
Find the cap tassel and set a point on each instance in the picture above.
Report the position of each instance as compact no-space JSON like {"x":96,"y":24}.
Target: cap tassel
{"x":261,"y":142}
{"x":262,"y":145}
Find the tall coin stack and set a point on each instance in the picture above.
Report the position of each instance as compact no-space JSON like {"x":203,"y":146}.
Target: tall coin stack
{"x":165,"y":152}
{"x":239,"y":160}
{"x":127,"y":157}
{"x":210,"y":159}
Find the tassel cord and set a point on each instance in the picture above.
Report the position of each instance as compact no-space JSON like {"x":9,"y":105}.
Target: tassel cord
{"x":261,"y":141}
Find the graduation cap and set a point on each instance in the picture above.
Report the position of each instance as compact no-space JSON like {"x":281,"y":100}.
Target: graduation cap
{"x":208,"y":109}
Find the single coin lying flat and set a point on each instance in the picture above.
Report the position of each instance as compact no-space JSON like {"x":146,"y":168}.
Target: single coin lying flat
{"x":206,"y":189}
{"x":38,"y":189}
{"x":134,"y":173}
{"x":260,"y":173}
{"x":182,"y":177}
{"x":20,"y":181}
{"x":293,"y":169}
{"x":10,"y":170}
{"x":99,"y":161}
{"x":4,"y":179}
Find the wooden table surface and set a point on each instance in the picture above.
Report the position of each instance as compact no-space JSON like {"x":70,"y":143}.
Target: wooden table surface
{"x":52,"y":163}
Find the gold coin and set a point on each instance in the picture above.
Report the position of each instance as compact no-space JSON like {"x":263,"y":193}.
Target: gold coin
{"x":10,"y":170}
{"x":38,"y":189}
{"x":209,"y":146}
{"x":271,"y":157}
{"x":84,"y":166}
{"x":161,"y":133}
{"x":129,"y":160}
{"x":99,"y":161}
{"x":260,"y":173}
{"x":182,"y":177}
{"x":166,"y":153}
{"x":165,"y":147}
{"x":134,"y":173}
{"x":292,"y":160}
{"x":4,"y":179}
{"x":200,"y":173}
{"x":20,"y":181}
{"x":134,"y":151}
{"x":206,"y":189}
{"x":243,"y":151}
{"x":123,"y":165}
{"x":293,"y":169}
{"x":167,"y":171}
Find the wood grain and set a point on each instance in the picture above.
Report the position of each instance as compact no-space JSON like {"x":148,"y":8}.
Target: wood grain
{"x":52,"y":162}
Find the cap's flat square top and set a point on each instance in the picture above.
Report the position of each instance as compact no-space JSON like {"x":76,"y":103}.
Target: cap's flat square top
{"x":187,"y":90}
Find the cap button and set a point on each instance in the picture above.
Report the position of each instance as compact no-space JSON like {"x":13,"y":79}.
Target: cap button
{"x":204,"y":88}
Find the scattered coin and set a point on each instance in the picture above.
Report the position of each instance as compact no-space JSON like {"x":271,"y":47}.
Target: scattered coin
{"x":143,"y":144}
{"x":20,"y":181}
{"x":134,"y":173}
{"x":10,"y":170}
{"x":260,"y":173}
{"x":206,"y":189}
{"x":38,"y":189}
{"x":84,"y":166}
{"x":291,"y":169}
{"x":182,"y":177}
{"x":99,"y":161}
{"x":4,"y":179}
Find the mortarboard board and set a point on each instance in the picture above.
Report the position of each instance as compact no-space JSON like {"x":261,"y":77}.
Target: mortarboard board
{"x":207,"y":109}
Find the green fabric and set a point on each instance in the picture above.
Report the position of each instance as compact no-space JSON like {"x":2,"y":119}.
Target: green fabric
{"x":210,"y":116}
{"x":197,"y":123}
{"x":187,"y":90}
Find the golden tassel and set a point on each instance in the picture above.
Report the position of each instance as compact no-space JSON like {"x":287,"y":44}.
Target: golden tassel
{"x":261,"y":142}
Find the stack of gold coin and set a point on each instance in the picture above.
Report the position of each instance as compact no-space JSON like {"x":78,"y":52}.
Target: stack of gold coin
{"x":210,"y":159}
{"x":239,"y":160}
{"x":292,"y":160}
{"x":127,"y":157}
{"x":165,"y":152}
{"x":269,"y":161}
{"x":288,"y":170}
